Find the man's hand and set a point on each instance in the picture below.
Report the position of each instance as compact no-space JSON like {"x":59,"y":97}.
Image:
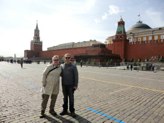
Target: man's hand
{"x":74,"y":88}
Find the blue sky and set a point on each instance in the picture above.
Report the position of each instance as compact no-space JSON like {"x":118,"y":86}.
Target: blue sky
{"x":63,"y":21}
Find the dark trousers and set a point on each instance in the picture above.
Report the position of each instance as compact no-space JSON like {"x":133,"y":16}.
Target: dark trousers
{"x":68,"y":93}
{"x":45,"y":98}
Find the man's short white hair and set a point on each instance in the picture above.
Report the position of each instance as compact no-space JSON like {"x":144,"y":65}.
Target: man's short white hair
{"x":55,"y":57}
{"x":67,"y":54}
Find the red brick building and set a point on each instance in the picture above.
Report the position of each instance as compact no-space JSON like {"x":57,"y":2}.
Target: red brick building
{"x":140,"y":42}
{"x":95,"y":53}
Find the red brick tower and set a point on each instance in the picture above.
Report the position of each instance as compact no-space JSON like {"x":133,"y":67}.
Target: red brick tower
{"x":120,"y":42}
{"x":36,"y":44}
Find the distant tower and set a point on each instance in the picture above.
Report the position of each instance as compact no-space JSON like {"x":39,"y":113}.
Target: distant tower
{"x":120,"y":42}
{"x":36,"y":44}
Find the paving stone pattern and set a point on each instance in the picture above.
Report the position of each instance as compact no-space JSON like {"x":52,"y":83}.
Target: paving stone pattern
{"x":105,"y":95}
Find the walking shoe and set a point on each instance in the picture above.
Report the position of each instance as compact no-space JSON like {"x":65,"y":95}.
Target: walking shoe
{"x":73,"y":114}
{"x":52,"y":112}
{"x":42,"y":114}
{"x":63,"y":113}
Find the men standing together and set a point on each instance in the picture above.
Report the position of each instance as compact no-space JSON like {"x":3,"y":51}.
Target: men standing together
{"x":69,"y":74}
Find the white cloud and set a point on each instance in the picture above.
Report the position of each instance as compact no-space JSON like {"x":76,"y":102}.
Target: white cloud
{"x":104,"y":16}
{"x":113,"y":9}
{"x":89,"y":4}
{"x":75,"y":7}
{"x":96,"y":21}
{"x":154,"y":17}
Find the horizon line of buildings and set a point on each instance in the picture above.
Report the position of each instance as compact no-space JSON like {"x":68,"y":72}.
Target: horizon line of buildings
{"x":140,"y":42}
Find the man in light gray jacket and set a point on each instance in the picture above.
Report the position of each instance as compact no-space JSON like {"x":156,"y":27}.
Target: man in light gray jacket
{"x":69,"y":84}
{"x":50,"y":83}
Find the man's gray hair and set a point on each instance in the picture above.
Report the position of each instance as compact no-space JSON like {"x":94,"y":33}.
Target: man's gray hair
{"x":55,"y":57}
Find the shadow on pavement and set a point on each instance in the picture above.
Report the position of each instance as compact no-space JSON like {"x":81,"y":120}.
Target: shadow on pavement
{"x":81,"y":119}
{"x":64,"y":120}
{"x":53,"y":120}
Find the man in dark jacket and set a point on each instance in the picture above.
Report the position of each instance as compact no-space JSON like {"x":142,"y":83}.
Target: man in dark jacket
{"x":69,"y":84}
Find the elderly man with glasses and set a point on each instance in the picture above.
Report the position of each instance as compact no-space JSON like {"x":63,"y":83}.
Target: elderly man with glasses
{"x":69,"y":84}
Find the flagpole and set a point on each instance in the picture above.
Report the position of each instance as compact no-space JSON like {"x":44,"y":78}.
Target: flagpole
{"x":139,"y":17}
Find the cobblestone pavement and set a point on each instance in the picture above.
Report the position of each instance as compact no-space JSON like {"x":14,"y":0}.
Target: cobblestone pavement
{"x":105,"y":95}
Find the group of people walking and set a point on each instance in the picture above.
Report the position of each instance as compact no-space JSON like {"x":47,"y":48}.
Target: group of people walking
{"x":50,"y":85}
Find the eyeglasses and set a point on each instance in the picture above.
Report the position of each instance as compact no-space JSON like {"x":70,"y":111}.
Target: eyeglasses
{"x":67,"y":57}
{"x":56,"y":59}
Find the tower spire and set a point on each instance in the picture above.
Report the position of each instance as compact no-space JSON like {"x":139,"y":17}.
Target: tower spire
{"x":36,"y":33}
{"x":37,"y":25}
{"x":121,"y":27}
{"x":36,"y":44}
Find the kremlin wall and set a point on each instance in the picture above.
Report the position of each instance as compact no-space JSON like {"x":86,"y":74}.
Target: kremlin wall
{"x":139,"y":43}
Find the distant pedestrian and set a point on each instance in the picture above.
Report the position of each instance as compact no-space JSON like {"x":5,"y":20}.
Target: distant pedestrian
{"x":21,"y":62}
{"x":154,"y":68}
{"x":107,"y":64}
{"x":131,"y":67}
{"x":99,"y":64}
{"x":69,"y":84}
{"x":81,"y":63}
{"x":50,"y":83}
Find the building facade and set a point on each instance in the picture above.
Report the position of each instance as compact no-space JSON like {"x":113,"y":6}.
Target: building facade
{"x":91,"y":52}
{"x":139,"y":43}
